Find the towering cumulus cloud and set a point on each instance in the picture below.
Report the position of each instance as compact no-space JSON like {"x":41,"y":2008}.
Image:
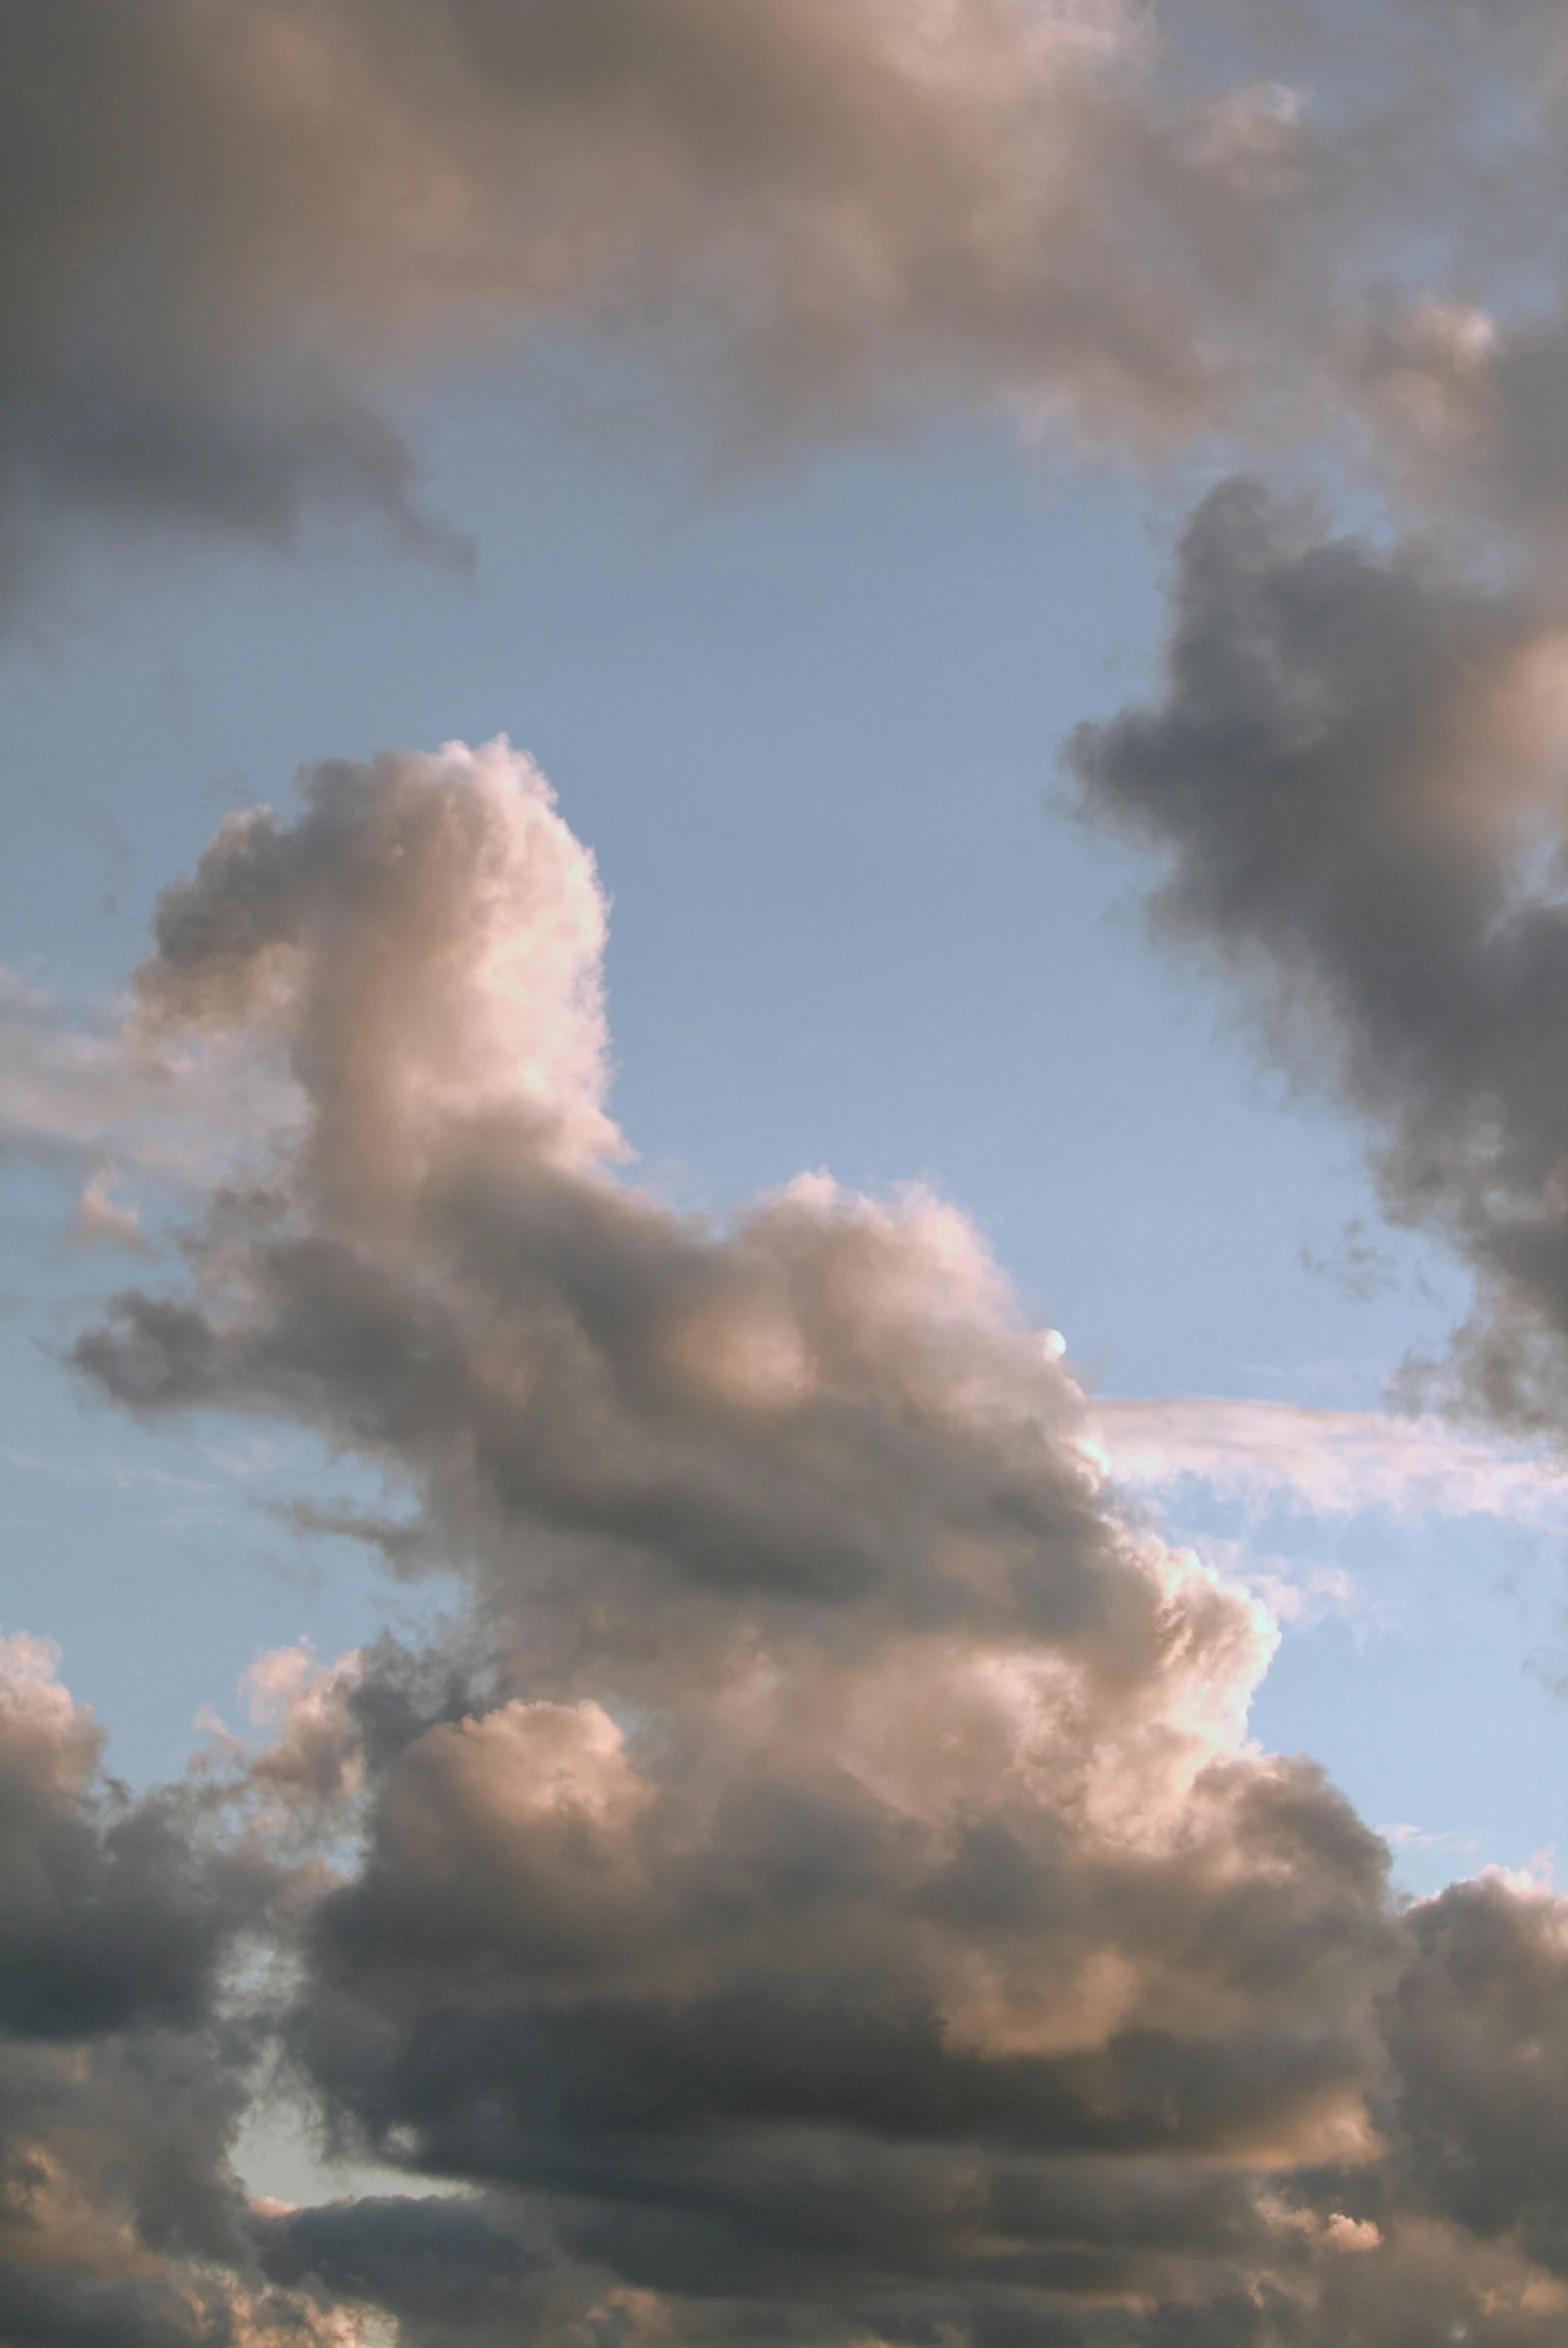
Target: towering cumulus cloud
{"x":824,"y":1892}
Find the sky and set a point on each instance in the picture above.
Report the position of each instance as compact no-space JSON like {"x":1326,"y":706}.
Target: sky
{"x":783,"y":1071}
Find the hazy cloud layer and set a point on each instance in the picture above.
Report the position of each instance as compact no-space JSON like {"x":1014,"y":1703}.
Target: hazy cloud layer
{"x":827,"y":1894}
{"x":223,"y":221}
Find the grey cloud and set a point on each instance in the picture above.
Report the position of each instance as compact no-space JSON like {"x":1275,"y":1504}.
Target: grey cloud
{"x":128,"y":2135}
{"x":824,"y":1893}
{"x":1355,"y":780}
{"x":444,"y":2266}
{"x":477,"y":2267}
{"x":152,"y":192}
{"x":223,"y":221}
{"x":591,"y":1393}
{"x":818,"y":1959}
{"x":161,"y":2306}
{"x":106,"y":1920}
{"x":607,"y":1468}
{"x":51,"y":2311}
{"x":1479,"y":2029}
{"x":120,"y":2217}
{"x":714,"y":2061}
{"x":125,"y":2068}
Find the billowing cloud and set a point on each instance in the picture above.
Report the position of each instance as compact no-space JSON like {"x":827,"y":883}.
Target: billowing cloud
{"x":822,"y":1888}
{"x":825,"y":1891}
{"x":1356,"y":783}
{"x":224,"y":220}
{"x":594,"y":1395}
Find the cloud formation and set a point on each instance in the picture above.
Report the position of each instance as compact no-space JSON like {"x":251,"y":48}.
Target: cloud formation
{"x":124,"y":2068}
{"x":826,"y":1892}
{"x":225,"y":222}
{"x":1356,"y":783}
{"x":822,"y":1890}
{"x":1327,"y":1462}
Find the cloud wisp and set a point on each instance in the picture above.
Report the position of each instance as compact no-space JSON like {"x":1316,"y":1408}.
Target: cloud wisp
{"x":1328,"y":1462}
{"x":826,"y":1892}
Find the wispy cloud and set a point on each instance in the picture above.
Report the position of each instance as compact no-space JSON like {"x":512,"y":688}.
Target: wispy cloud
{"x":1328,"y":1462}
{"x":112,"y":1472}
{"x":1417,"y":1838}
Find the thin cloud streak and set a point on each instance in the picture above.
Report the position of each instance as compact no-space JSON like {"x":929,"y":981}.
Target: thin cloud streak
{"x":1329,"y":1462}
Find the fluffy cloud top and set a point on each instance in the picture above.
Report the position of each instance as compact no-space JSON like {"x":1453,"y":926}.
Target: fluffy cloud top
{"x":826,"y":1892}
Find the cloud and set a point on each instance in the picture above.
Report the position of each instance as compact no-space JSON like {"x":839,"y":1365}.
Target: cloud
{"x":123,"y":2079}
{"x":823,"y":1889}
{"x":1468,"y":411}
{"x":102,"y":1219}
{"x":592,"y":1393}
{"x":466,"y":2269}
{"x":225,"y":222}
{"x":426,"y":943}
{"x":90,"y":1092}
{"x":1479,"y":2029}
{"x":1355,"y":782}
{"x":103,"y":1920}
{"x":1404,"y":1837}
{"x":1327,"y":1462}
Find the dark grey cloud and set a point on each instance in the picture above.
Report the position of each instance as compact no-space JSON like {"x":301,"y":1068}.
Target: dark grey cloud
{"x":118,"y":2311}
{"x":126,"y":2061}
{"x":1355,"y":781}
{"x":821,"y":1958}
{"x":1479,"y":2030}
{"x":469,"y":2268}
{"x":107,"y":1919}
{"x":737,"y":2092}
{"x":816,"y":2050}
